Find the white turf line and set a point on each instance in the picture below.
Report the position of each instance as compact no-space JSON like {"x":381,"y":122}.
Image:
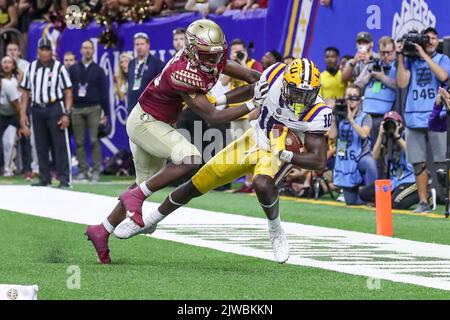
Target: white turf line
{"x":424,"y":264}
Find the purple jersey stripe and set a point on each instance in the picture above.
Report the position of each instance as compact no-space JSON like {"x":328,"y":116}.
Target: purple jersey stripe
{"x":316,"y":113}
{"x":276,"y":76}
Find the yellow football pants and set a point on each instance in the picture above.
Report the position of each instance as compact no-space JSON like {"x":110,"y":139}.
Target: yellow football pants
{"x":239,"y":158}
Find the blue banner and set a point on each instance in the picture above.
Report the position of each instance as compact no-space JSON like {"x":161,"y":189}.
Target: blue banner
{"x":338,"y":25}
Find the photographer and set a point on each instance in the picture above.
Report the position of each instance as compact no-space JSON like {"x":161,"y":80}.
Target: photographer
{"x":377,"y":80}
{"x":363,"y":56}
{"x":353,"y":156}
{"x":390,"y":147}
{"x":422,"y":71}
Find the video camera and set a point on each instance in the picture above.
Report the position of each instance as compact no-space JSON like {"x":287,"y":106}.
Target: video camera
{"x":409,"y":39}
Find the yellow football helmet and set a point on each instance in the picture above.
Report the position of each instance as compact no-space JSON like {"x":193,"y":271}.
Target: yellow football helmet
{"x":301,"y":85}
{"x":205,"y":44}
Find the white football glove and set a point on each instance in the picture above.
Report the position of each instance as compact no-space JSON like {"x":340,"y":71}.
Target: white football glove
{"x":260,"y":93}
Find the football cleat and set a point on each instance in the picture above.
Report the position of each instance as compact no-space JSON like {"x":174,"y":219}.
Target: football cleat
{"x":128,"y":229}
{"x":133,"y":200}
{"x":280,"y":246}
{"x":99,"y":237}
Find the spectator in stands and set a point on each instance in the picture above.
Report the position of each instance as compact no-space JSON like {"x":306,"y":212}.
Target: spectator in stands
{"x":10,"y":113}
{"x":90,"y":108}
{"x":423,"y":74}
{"x":205,"y":7}
{"x":158,"y":5}
{"x":141,"y":69}
{"x":25,"y":8}
{"x":237,"y":4}
{"x":27,"y":147}
{"x":354,"y":165}
{"x":179,"y":37}
{"x":363,"y":56}
{"x":271,"y":57}
{"x":69,"y":59}
{"x":13,"y":50}
{"x":377,"y":80}
{"x":332,"y":85}
{"x":12,"y":73}
{"x":252,"y":4}
{"x":120,"y":79}
{"x":239,"y":54}
{"x":8,"y":14}
{"x":397,"y":169}
{"x":288,"y":59}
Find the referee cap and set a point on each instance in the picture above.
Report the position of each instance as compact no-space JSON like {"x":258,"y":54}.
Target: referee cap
{"x":44,"y":43}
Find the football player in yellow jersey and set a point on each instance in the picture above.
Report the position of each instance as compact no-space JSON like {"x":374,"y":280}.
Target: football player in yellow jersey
{"x":292,"y":101}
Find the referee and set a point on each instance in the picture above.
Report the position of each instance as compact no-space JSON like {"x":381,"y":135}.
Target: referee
{"x":47,"y":87}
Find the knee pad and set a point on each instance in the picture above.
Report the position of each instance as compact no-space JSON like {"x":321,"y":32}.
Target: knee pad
{"x":419,"y":168}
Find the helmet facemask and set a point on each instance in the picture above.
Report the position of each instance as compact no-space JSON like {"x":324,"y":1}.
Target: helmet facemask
{"x":207,"y":60}
{"x":299,"y":99}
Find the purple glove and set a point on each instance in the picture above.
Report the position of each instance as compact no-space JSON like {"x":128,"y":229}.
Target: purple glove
{"x":438,"y":119}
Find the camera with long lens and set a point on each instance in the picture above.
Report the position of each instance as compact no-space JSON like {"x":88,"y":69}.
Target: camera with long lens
{"x":412,"y":38}
{"x":375,"y":65}
{"x":340,"y":108}
{"x":390,"y":126}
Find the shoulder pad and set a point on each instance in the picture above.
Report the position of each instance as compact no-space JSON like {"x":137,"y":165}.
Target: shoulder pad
{"x":187,"y":79}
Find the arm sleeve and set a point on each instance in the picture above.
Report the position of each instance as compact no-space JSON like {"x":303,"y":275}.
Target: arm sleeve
{"x":367,"y":121}
{"x":321,"y":122}
{"x":64,"y":79}
{"x":26,"y":84}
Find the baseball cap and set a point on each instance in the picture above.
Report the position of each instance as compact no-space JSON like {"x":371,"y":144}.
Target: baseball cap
{"x":393,"y":115}
{"x":364,"y":36}
{"x":44,"y":43}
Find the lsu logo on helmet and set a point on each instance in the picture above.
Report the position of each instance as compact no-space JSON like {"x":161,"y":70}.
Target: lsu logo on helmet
{"x":301,"y":85}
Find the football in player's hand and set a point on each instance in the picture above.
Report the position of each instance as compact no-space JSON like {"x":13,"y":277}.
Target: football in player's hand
{"x":293,"y":142}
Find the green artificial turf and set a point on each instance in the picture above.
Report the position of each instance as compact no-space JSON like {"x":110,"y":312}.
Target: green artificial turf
{"x":39,"y":251}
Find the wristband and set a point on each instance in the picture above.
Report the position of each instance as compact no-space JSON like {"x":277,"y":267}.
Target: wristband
{"x":222,"y":100}
{"x":220,"y":108}
{"x":286,"y":156}
{"x":250,"y":105}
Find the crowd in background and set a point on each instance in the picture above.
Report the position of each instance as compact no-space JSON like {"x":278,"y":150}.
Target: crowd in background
{"x":388,"y":107}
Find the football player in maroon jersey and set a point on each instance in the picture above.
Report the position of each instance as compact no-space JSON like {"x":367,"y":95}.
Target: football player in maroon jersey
{"x":186,"y":78}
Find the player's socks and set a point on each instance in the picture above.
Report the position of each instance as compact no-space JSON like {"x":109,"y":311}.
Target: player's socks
{"x":154,"y":217}
{"x":108,"y":226}
{"x":145,"y":190}
{"x":274,"y":225}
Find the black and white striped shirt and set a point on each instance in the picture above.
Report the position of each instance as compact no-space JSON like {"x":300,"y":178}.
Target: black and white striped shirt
{"x":46,"y":83}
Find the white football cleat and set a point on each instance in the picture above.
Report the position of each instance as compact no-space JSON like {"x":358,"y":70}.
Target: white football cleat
{"x":128,"y":228}
{"x":280,"y":246}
